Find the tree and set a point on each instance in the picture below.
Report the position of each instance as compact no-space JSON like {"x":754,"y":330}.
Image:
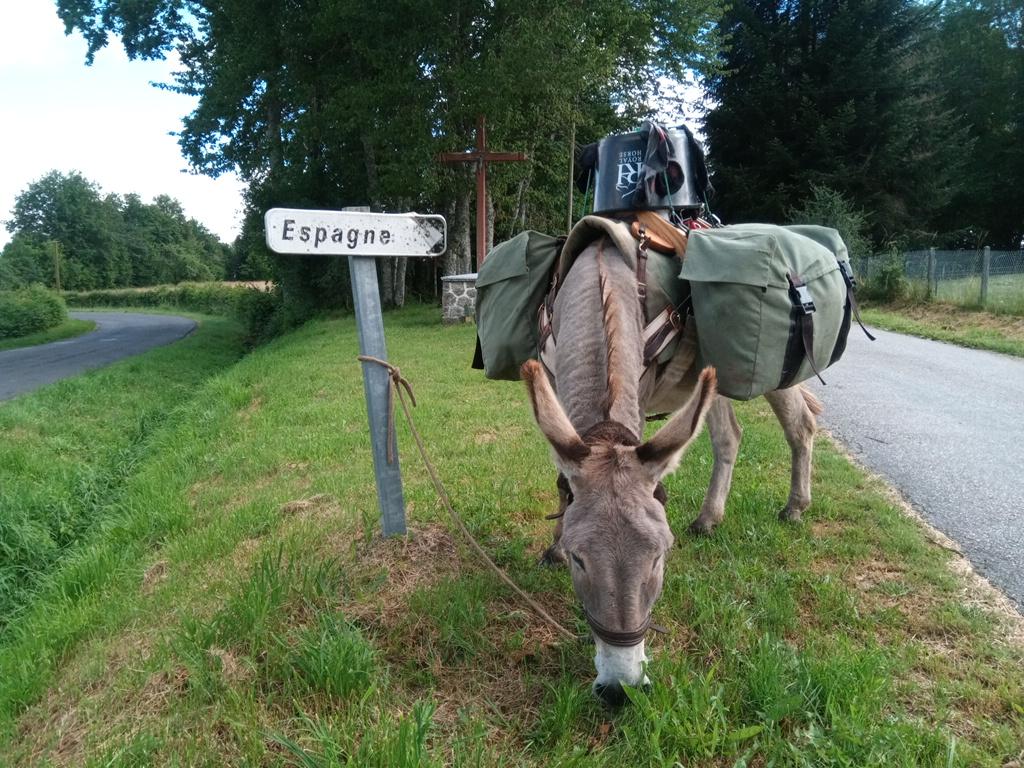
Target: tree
{"x":834,"y":94}
{"x":70,"y":209}
{"x":342,"y":102}
{"x":105,"y":241}
{"x":981,"y":69}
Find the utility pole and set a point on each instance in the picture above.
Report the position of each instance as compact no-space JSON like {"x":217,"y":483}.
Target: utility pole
{"x":56,"y":264}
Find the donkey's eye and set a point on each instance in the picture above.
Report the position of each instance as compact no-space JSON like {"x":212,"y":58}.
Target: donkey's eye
{"x":578,"y":562}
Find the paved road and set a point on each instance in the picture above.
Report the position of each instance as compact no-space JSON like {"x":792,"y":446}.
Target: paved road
{"x":117,"y":335}
{"x":946,"y":426}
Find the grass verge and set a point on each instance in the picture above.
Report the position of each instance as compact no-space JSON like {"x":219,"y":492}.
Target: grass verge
{"x":238,"y":607}
{"x":68,"y":449}
{"x":946,"y":322}
{"x":66,"y":330}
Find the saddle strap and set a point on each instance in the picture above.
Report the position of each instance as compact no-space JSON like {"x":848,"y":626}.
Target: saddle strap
{"x":801,"y":343}
{"x":851,"y":287}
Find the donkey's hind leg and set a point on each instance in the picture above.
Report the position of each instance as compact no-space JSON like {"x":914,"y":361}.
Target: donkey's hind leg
{"x":796,"y":409}
{"x":725,"y":434}
{"x":554,"y":555}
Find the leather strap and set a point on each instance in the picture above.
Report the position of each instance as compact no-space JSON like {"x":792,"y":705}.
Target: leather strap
{"x":803,"y":303}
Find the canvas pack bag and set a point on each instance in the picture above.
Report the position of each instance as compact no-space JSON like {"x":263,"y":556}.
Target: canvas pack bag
{"x":510,"y":287}
{"x":772,"y":304}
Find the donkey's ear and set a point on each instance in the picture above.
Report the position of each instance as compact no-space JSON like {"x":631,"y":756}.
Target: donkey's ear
{"x":661,"y":454}
{"x":569,"y":448}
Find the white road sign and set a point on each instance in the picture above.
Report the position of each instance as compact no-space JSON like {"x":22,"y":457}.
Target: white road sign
{"x":354,"y":233}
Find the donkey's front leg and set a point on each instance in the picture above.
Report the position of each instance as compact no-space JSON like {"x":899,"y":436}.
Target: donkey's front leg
{"x":796,"y":408}
{"x":725,"y":434}
{"x":554,"y":555}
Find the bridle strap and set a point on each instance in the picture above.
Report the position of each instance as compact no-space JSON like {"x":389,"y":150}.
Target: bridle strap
{"x":625,"y":639}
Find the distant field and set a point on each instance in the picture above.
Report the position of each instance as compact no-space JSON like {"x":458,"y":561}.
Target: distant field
{"x":233,"y":604}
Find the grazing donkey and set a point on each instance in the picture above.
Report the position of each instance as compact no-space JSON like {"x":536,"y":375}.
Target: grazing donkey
{"x":613,"y":530}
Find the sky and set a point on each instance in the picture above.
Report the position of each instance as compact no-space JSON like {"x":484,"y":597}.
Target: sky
{"x":105,"y":121}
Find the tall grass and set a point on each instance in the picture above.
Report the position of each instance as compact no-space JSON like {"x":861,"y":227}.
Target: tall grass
{"x":237,"y":612}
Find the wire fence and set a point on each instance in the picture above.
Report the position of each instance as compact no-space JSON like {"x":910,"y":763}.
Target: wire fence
{"x":984,"y":278}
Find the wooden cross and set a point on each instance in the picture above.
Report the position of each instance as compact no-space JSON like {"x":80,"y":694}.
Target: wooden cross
{"x":481,"y":157}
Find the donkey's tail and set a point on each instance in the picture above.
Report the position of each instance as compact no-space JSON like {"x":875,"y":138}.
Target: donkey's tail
{"x":813,"y":403}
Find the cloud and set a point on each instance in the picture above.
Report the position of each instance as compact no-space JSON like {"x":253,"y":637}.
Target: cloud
{"x":106,"y":121}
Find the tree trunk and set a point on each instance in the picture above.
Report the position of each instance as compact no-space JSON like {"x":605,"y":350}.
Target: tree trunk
{"x":459,"y":254}
{"x":386,"y":268}
{"x":400,"y":267}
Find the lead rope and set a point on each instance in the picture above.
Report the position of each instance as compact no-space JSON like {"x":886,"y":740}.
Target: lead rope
{"x":401,"y":383}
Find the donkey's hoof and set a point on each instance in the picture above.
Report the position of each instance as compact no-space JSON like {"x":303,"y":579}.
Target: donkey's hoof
{"x":553,"y":557}
{"x":702,"y":527}
{"x":790,"y":515}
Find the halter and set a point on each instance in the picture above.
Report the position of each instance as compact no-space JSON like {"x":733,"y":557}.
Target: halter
{"x":626,"y":639}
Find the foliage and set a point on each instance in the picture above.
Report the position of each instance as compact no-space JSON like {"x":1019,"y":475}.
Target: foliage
{"x":62,"y":222}
{"x":979,"y":52}
{"x":255,"y":309}
{"x":336,"y":103}
{"x":829,"y":208}
{"x":30,"y":310}
{"x":840,"y":95}
{"x":887,"y":281}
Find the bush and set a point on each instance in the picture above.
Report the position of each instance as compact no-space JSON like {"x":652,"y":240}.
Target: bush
{"x":30,"y":310}
{"x":256,"y":309}
{"x":829,"y":208}
{"x":887,"y":279}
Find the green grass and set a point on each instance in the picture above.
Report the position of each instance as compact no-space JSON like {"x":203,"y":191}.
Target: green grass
{"x":237,"y":607}
{"x":68,"y":450}
{"x":945,"y":322}
{"x":66,"y":330}
{"x":1005,"y":293}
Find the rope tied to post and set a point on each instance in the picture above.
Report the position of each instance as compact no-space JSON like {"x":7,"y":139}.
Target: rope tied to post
{"x":399,"y":383}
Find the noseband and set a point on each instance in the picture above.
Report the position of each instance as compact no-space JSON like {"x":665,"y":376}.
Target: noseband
{"x":625,"y":639}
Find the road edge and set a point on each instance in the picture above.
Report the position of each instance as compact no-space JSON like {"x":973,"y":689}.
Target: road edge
{"x":976,"y":589}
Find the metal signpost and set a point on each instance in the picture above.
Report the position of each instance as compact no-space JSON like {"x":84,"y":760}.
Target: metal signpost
{"x":363,"y":236}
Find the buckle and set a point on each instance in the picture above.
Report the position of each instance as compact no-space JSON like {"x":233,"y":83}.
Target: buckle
{"x":801,"y":294}
{"x":641,"y":290}
{"x":675,"y":320}
{"x":847,"y":270}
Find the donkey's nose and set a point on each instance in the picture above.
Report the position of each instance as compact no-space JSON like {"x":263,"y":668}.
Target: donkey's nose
{"x":610,"y":693}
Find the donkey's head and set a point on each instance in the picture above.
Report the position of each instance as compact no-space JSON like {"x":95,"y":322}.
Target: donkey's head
{"x":615,"y":533}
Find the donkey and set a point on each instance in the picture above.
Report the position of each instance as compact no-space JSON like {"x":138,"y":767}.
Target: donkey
{"x":612,"y":527}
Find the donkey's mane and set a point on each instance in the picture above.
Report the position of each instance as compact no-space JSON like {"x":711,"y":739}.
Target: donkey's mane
{"x":612,"y":322}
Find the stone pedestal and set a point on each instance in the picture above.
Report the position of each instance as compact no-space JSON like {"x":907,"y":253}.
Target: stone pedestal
{"x":458,"y":298}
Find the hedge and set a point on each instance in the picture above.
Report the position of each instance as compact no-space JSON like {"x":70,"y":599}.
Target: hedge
{"x":255,"y":309}
{"x":30,"y":310}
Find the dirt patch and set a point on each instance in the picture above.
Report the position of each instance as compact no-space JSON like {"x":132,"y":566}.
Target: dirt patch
{"x":500,"y":677}
{"x":251,"y":409}
{"x":155,"y":575}
{"x":316,"y":503}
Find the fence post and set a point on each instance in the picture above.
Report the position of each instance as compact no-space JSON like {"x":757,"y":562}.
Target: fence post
{"x":932,"y":281}
{"x":986,"y":266}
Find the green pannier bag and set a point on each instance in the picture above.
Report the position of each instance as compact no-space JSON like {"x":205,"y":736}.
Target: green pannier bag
{"x":510,"y":288}
{"x":771,"y":303}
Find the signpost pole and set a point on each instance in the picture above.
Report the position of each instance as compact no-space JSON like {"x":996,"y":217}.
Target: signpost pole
{"x":370,"y":327}
{"x":364,"y":236}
